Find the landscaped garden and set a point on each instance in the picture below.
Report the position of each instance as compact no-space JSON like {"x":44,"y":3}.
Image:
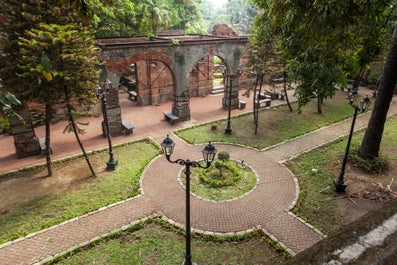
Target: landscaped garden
{"x":155,"y":242}
{"x":276,"y":124}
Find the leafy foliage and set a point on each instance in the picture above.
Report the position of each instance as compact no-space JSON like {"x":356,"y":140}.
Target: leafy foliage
{"x":145,"y":17}
{"x":7,"y":100}
{"x":236,"y":13}
{"x":324,"y":41}
{"x":227,"y":173}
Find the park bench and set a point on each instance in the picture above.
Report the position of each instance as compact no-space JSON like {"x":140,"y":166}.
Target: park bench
{"x":263,"y":95}
{"x":127,"y":127}
{"x":266,"y":101}
{"x":168,"y":116}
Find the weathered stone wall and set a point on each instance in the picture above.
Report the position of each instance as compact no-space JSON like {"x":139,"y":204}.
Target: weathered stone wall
{"x":223,"y":30}
{"x":201,"y":77}
{"x":189,"y":60}
{"x":154,"y":82}
{"x":372,"y":239}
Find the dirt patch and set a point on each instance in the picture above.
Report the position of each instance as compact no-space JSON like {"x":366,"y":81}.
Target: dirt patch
{"x":33,"y":184}
{"x":365,"y":191}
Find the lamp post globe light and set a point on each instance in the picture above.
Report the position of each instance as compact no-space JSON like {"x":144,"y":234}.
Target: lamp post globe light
{"x":208,"y":152}
{"x":101,"y":94}
{"x":339,"y":183}
{"x":229,"y":86}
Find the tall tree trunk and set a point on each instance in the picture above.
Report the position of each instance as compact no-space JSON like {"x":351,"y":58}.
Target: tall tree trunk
{"x":319,"y":105}
{"x":48,"y":116}
{"x":370,"y":145}
{"x":75,"y":131}
{"x":285,"y":91}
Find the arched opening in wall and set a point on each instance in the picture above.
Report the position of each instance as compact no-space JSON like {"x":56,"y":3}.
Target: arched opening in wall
{"x":148,"y":82}
{"x":200,"y":77}
{"x":219,"y":81}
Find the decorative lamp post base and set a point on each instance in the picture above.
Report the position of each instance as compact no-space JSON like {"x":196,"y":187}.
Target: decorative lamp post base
{"x":228,"y":130}
{"x":111,"y":165}
{"x":339,"y":187}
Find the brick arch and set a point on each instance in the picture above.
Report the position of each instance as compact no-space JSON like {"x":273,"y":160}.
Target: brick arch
{"x":179,"y":58}
{"x":148,"y":93}
{"x":118,"y":67}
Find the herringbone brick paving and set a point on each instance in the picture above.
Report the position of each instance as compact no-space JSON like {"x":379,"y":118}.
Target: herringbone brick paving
{"x":266,"y":207}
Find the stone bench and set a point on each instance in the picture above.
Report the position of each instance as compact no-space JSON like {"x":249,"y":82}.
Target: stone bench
{"x":168,"y":116}
{"x":267,"y":101}
{"x":127,"y":127}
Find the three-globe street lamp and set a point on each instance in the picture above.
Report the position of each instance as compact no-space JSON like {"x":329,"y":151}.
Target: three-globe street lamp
{"x":209,"y":152}
{"x":229,"y":85}
{"x":101,"y":94}
{"x":339,"y":183}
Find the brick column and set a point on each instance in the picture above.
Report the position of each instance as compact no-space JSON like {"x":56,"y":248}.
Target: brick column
{"x":234,"y":96}
{"x":181,"y":106}
{"x":113,"y":112}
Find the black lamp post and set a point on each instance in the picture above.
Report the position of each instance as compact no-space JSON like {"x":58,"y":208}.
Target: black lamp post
{"x":209,"y":152}
{"x":339,"y":183}
{"x":101,"y":94}
{"x":229,"y":85}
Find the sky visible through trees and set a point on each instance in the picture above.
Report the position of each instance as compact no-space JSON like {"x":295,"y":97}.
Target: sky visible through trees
{"x":218,"y":3}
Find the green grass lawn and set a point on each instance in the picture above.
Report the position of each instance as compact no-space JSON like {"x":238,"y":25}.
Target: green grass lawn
{"x":105,"y":189}
{"x":317,"y":202}
{"x":159,"y":244}
{"x":275,"y":125}
{"x":155,"y":244}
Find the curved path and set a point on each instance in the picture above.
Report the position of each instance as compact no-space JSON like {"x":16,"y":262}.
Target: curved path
{"x":267,"y":207}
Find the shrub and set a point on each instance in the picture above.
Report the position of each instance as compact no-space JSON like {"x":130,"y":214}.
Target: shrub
{"x":223,"y":156}
{"x":227,"y":174}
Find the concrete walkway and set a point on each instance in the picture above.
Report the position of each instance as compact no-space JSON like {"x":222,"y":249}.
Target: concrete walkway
{"x":266,"y":207}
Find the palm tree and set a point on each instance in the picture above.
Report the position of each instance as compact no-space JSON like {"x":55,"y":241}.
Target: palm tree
{"x":155,"y":14}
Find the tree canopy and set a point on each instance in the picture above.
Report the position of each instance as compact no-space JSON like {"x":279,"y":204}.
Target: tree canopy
{"x":145,"y":17}
{"x":324,"y":42}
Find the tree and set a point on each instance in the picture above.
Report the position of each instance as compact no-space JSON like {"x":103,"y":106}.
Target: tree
{"x":33,"y":60}
{"x":370,"y":145}
{"x":241,"y":13}
{"x":119,"y":19}
{"x":236,"y":13}
{"x":189,"y":17}
{"x":321,"y":39}
{"x":59,"y":63}
{"x":154,"y":15}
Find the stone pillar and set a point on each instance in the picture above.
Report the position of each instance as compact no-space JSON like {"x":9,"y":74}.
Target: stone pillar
{"x":234,"y":95}
{"x":25,"y":140}
{"x":181,"y":106}
{"x":113,"y":112}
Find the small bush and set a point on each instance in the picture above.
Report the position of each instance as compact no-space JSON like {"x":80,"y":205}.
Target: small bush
{"x":227,"y":174}
{"x":223,"y":156}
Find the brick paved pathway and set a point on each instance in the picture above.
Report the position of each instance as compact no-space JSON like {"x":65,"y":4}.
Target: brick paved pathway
{"x":266,"y":207}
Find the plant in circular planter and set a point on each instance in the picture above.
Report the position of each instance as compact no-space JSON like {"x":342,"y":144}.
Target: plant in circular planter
{"x":225,"y":179}
{"x":222,"y":172}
